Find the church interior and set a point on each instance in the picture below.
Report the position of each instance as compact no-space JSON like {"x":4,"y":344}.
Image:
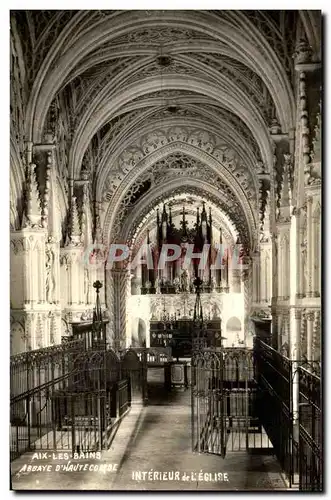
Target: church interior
{"x":142,"y":135}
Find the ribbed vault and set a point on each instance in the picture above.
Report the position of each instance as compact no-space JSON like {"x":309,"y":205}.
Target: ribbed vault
{"x":120,"y":91}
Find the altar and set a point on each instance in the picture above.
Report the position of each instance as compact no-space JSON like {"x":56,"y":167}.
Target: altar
{"x":161,"y":306}
{"x":167,"y":320}
{"x":178,"y":334}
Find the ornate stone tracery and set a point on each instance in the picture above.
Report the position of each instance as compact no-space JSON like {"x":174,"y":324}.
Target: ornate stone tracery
{"x":196,"y":137}
{"x":197,"y":173}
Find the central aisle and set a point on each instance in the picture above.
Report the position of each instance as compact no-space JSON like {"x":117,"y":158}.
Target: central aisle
{"x":161,"y":442}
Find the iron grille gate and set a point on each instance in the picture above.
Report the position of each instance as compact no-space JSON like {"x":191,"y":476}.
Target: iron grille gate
{"x":66,"y":398}
{"x":224,"y":402}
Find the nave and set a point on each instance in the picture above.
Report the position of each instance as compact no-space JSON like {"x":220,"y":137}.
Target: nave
{"x":195,"y":135}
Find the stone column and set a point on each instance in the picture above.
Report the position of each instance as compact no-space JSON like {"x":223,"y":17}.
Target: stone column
{"x":295,"y":333}
{"x":310,"y":245}
{"x":51,"y":219}
{"x":308,"y":71}
{"x":247,"y":292}
{"x":280,"y":268}
{"x":295,"y":320}
{"x":121,"y":283}
{"x":73,"y":258}
{"x":300,"y":286}
{"x":265,"y":272}
{"x":294,"y":259}
{"x":256,"y":276}
{"x":283,"y":263}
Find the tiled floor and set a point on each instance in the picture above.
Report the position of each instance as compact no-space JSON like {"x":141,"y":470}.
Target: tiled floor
{"x":152,"y":450}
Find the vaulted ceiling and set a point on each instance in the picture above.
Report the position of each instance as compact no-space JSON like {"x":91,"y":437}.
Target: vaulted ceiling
{"x":148,"y":104}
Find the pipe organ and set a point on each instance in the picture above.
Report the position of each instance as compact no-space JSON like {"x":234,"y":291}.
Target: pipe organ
{"x":177,"y":276}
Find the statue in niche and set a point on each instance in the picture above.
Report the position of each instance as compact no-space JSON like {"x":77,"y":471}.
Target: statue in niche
{"x":155,"y":310}
{"x":86,"y":286}
{"x":284,"y":350}
{"x":185,"y":281}
{"x":157,"y":286}
{"x":213,"y":283}
{"x":215,"y":311}
{"x":50,"y":281}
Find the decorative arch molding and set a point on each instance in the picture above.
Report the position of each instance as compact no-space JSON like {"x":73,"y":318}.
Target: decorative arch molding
{"x":219,"y":124}
{"x":162,"y":153}
{"x":171,"y":188}
{"x":255,"y":50}
{"x":145,"y":214}
{"x":240,"y":105}
{"x":174,"y":130}
{"x":144,"y":207}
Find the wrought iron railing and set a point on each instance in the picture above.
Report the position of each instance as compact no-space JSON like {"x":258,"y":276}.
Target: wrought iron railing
{"x":273,"y":374}
{"x":310,"y":431}
{"x":224,"y":417}
{"x":65,"y":388}
{"x":286,"y":409}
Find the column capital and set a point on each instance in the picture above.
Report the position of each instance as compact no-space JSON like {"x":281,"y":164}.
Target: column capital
{"x":310,"y":315}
